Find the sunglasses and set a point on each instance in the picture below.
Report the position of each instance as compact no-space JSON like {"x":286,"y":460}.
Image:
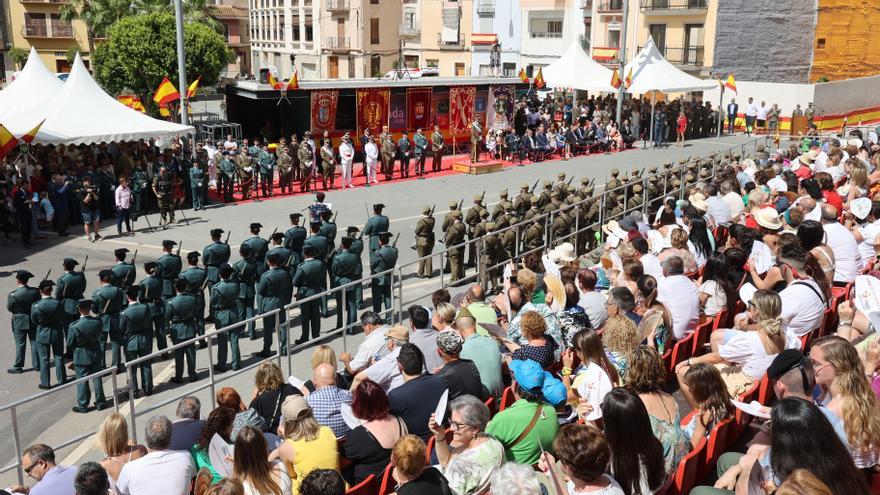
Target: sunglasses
{"x":30,"y":468}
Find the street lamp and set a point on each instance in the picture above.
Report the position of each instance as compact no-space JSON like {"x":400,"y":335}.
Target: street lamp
{"x":181,"y":62}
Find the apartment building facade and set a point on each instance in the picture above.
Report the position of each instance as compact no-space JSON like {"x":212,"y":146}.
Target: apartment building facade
{"x":446,"y":35}
{"x":233,"y":14}
{"x":38,"y":24}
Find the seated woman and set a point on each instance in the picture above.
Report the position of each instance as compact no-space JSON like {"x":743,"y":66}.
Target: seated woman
{"x":583,"y":457}
{"x":742,"y":357}
{"x":220,"y":423}
{"x":411,"y":472}
{"x":716,"y":292}
{"x":656,"y":320}
{"x":368,"y":446}
{"x":307,"y":445}
{"x":619,"y":337}
{"x":325,"y":354}
{"x":678,"y":242}
{"x":472,"y":456}
{"x":710,"y":401}
{"x":113,"y":441}
{"x":258,"y":475}
{"x":228,"y":397}
{"x":540,"y":346}
{"x":270,"y":390}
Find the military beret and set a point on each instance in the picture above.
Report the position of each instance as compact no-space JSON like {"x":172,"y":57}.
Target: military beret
{"x":168,"y":243}
{"x":689,"y":177}
{"x":585,"y":180}
{"x":256,"y":225}
{"x":23,"y":275}
{"x":637,"y":188}
{"x":216,"y":232}
{"x":503,"y":193}
{"x":547,"y":183}
{"x":490,"y":225}
{"x":652,"y":169}
{"x":524,"y":186}
{"x":560,"y":175}
{"x":653,"y":178}
{"x":535,"y":200}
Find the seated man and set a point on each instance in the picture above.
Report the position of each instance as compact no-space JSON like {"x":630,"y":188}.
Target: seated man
{"x":541,"y":141}
{"x":512,"y":145}
{"x":373,"y":344}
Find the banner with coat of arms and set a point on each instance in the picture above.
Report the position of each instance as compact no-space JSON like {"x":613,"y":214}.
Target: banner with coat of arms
{"x":324,"y":109}
{"x":461,"y":109}
{"x":372,"y":109}
{"x":500,"y":108}
{"x":418,"y":108}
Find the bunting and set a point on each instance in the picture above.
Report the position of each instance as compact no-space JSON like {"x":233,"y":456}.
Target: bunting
{"x":293,"y":83}
{"x":324,"y":104}
{"x":372,"y":109}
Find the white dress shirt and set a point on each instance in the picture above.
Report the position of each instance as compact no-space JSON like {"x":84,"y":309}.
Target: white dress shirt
{"x":719,"y":210}
{"x":168,"y":472}
{"x":735,"y":203}
{"x":847,"y":262}
{"x":751,"y":109}
{"x":651,"y":266}
{"x":681,"y":297}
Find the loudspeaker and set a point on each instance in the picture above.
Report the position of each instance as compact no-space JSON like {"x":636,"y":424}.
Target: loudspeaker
{"x":264,"y":76}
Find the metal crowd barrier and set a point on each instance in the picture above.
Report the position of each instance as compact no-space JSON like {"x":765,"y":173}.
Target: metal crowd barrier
{"x":394,"y":314}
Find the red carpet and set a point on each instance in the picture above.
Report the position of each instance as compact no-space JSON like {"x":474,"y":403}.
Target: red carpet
{"x":359,"y":180}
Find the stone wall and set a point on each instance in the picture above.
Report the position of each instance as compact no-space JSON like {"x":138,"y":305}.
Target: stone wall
{"x":765,"y":41}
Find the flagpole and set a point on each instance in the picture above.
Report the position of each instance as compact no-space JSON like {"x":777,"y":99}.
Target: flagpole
{"x":720,"y":107}
{"x":622,"y":57}
{"x":181,"y":62}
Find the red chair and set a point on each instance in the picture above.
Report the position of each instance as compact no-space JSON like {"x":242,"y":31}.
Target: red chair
{"x":388,"y":484}
{"x":829,"y":322}
{"x":507,"y":399}
{"x":490,"y":403}
{"x":667,"y":361}
{"x":766,"y":396}
{"x":722,"y":320}
{"x":429,"y":448}
{"x":687,"y":419}
{"x":717,"y":445}
{"x":682,"y":350}
{"x":686,"y":472}
{"x":369,"y":486}
{"x":701,"y":337}
{"x":742,"y":419}
{"x":693,"y":275}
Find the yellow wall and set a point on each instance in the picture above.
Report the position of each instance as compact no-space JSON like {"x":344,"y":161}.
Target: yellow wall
{"x":432,"y":24}
{"x":47,"y":48}
{"x":850,"y":29}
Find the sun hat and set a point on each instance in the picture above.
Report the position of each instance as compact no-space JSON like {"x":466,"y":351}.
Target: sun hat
{"x":768,"y":218}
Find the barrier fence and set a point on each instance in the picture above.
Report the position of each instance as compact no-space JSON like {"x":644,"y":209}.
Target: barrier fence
{"x":582,"y":234}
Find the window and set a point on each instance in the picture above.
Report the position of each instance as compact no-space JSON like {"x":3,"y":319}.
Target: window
{"x":375,"y":66}
{"x":295,"y":26}
{"x":554,"y":29}
{"x":351,"y":67}
{"x":309,"y":31}
{"x":613,"y":38}
{"x":820,"y":43}
{"x":484,"y":70}
{"x":545,"y":28}
{"x":509,"y":69}
{"x":432,"y":62}
{"x":374,"y":30}
{"x":409,"y":20}
{"x":459,"y":69}
{"x":658,"y":33}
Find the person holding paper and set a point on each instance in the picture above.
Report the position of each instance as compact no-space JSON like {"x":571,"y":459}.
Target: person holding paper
{"x":583,"y":456}
{"x":219,"y":423}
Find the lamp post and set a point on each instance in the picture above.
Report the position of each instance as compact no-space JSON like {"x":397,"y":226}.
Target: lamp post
{"x":622,"y":57}
{"x":181,"y":62}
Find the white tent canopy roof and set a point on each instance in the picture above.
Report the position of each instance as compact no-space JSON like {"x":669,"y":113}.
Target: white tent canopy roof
{"x":82,"y":113}
{"x":30,"y":90}
{"x":652,"y":72}
{"x":576,"y":69}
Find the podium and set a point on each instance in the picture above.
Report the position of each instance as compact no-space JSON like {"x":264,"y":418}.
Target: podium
{"x":798,"y":125}
{"x":484,"y":167}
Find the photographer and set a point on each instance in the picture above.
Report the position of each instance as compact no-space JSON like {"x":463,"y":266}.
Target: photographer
{"x":90,"y":208}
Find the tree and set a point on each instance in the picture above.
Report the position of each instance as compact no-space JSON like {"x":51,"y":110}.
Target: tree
{"x":70,"y":55}
{"x":98,"y":16}
{"x":198,"y":11}
{"x":18,"y":56}
{"x":141,"y":50}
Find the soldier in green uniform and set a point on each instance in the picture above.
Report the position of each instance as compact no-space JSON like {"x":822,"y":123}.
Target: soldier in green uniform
{"x":150,"y":293}
{"x":322,"y":249}
{"x":544,"y":198}
{"x":425,"y":242}
{"x":613,"y":182}
{"x":19,"y":303}
{"x":245,"y":171}
{"x":476,"y":138}
{"x":196,"y":183}
{"x":357,"y":249}
{"x":294,"y":237}
{"x":162,"y":190}
{"x":377,"y":224}
{"x":196,"y":280}
{"x":493,"y":254}
{"x":554,"y":204}
{"x":343,"y":270}
{"x":444,"y":226}
{"x":454,"y":236}
{"x":214,"y":255}
{"x":276,"y":290}
{"x":328,"y":227}
{"x":473,"y":217}
{"x":508,"y":244}
{"x":48,"y":317}
{"x":224,"y":306}
{"x":277,"y":247}
{"x":259,"y":246}
{"x":533,"y":237}
{"x":139,"y":190}
{"x":284,"y":162}
{"x":180,"y":312}
{"x":168,"y":268}
{"x":246,"y":274}
{"x":226,"y":176}
{"x":328,"y":165}
{"x":404,"y":151}
{"x":389,"y":149}
{"x":70,"y":289}
{"x":109,"y":300}
{"x":503,"y":204}
{"x":384,"y":258}
{"x":534,"y":209}
{"x":523,"y":200}
{"x":85,"y":340}
{"x":437,"y":146}
{"x":266,"y":162}
{"x":123,"y":273}
{"x":561,"y":225}
{"x":506,"y":219}
{"x":561,"y":187}
{"x":420,"y":145}
{"x":307,"y":165}
{"x":136,"y":328}
{"x":309,"y":280}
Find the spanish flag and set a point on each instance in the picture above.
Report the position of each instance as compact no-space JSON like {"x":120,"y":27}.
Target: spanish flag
{"x":629,"y":77}
{"x":615,"y":79}
{"x":539,"y":80}
{"x":523,"y":76}
{"x":730,"y":83}
{"x":31,"y":134}
{"x":191,"y":90}
{"x":293,"y":83}
{"x":166,"y":92}
{"x":274,"y":82}
{"x":7,"y":141}
{"x":163,"y":111}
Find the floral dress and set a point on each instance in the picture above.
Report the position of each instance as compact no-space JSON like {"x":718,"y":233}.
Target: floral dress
{"x":468,"y":473}
{"x":675,"y":443}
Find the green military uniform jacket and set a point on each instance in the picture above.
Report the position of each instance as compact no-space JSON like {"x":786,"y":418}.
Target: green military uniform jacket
{"x":259,"y":248}
{"x":109,"y":300}
{"x":150,"y":293}
{"x":246,"y":274}
{"x":404,"y":146}
{"x":534,"y":236}
{"x":123,"y":275}
{"x":425,"y":232}
{"x":224,"y":302}
{"x":500,"y":208}
{"x":320,"y":244}
{"x":421,"y":144}
{"x":294,"y":238}
{"x":136,"y":327}
{"x":47,"y":316}
{"x":454,"y":235}
{"x":447,"y":221}
{"x":226,"y":167}
{"x":19,"y":303}
{"x":328,"y":159}
{"x":377,"y":224}
{"x":357,"y":249}
{"x":243,"y":162}
{"x":473,"y":217}
{"x":309,"y":278}
{"x":84,"y":338}
{"x":69,"y":290}
{"x":328,"y":230}
{"x":388,"y":147}
{"x":493,"y":252}
{"x":383,"y":259}
{"x":266,"y":162}
{"x":196,"y":280}
{"x":275,"y":288}
{"x":283,"y":159}
{"x":344,"y":267}
{"x":180,"y":312}
{"x":196,"y":178}
{"x":306,"y":156}
{"x":436,"y":141}
{"x":168,"y":268}
{"x":214,"y":255}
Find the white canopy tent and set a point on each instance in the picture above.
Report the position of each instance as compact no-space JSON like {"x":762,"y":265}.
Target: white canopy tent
{"x":651,"y":72}
{"x":82,"y":113}
{"x":34,"y":86}
{"x":576,"y":69}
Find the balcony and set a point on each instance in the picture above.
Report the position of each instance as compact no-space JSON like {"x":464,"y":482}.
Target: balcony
{"x":486,"y":8}
{"x":450,"y":45}
{"x":338,"y":44}
{"x":44,"y":2}
{"x":40,"y":30}
{"x":585,"y":42}
{"x":409,"y":31}
{"x":336,"y":5}
{"x":544,"y":34}
{"x":604,"y":54}
{"x":691,"y":56}
{"x":609,"y":6}
{"x":674,"y":7}
{"x":587,"y":5}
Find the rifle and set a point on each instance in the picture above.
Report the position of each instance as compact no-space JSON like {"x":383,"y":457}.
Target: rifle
{"x":592,"y":181}
{"x":85,"y":262}
{"x":431,"y":214}
{"x":273,"y":233}
{"x":569,"y":181}
{"x":534,"y":186}
{"x":179,"y":245}
{"x":460,"y":204}
{"x":394,"y":245}
{"x":333,"y":220}
{"x":228,"y":233}
{"x":134,"y":257}
{"x":47,"y":274}
{"x":483,"y":196}
{"x":368,"y":210}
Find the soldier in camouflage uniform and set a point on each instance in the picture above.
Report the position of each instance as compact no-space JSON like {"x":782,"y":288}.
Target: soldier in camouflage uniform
{"x":474,"y":214}
{"x":425,"y":242}
{"x":245,"y":171}
{"x":307,"y":166}
{"x":544,"y":197}
{"x":523,"y":200}
{"x":493,"y":254}
{"x":284,"y":162}
{"x":162,"y":190}
{"x":503,"y":204}
{"x":388,"y":151}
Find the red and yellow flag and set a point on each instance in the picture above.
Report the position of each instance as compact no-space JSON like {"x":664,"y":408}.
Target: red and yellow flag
{"x":539,"y":80}
{"x":273,"y":82}
{"x":293,"y":83}
{"x":7,"y":141}
{"x":166,"y":92}
{"x":615,"y":79}
{"x":191,"y":90}
{"x":730,"y":83}
{"x":628,"y":80}
{"x":31,"y":134}
{"x":523,"y":76}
